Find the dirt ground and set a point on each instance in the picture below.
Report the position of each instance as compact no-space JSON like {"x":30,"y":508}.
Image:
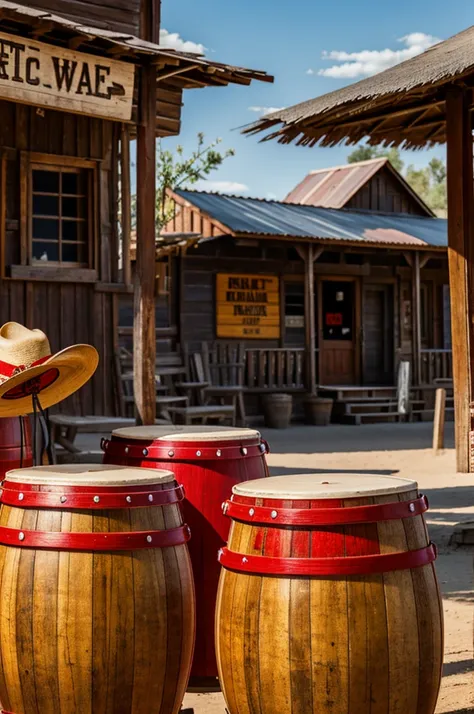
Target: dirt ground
{"x":402,"y":449}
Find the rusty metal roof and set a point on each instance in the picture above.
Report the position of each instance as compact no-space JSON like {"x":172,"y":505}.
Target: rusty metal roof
{"x":335,"y":186}
{"x":187,"y":70}
{"x":256,"y":217}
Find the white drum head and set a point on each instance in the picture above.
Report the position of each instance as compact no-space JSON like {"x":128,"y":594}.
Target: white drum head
{"x":307,"y":487}
{"x":186,"y":433}
{"x":89,"y":475}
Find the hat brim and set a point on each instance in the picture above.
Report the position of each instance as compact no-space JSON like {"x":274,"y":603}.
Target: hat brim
{"x":67,"y":371}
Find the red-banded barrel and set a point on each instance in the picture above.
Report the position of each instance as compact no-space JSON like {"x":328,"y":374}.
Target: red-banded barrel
{"x":328,"y":600}
{"x":15,"y":444}
{"x":97,"y":602}
{"x":208,"y":461}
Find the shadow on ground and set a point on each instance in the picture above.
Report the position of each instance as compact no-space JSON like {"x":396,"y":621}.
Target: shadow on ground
{"x":285,"y":471}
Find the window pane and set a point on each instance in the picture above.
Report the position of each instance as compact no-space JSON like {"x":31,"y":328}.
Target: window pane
{"x":45,"y":205}
{"x":46,"y":181}
{"x":45,"y":251}
{"x":47,"y":228}
{"x":73,"y":207}
{"x":73,"y":253}
{"x":338,"y":310}
{"x":70,"y":183}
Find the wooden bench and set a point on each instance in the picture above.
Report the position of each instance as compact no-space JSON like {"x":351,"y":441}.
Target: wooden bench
{"x":64,"y":428}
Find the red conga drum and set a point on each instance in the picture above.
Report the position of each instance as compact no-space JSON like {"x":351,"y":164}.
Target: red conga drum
{"x":208,"y":461}
{"x":97,"y":588}
{"x":11,"y":456}
{"x":328,"y":601}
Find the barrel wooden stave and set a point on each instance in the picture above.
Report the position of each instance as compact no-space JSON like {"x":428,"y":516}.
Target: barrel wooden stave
{"x":95,"y":632}
{"x":339,"y":644}
{"x":207,"y":483}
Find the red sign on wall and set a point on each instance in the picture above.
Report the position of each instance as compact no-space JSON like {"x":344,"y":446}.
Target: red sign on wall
{"x":334,"y":318}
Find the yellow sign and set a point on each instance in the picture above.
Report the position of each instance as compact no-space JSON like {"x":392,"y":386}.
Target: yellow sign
{"x":248,"y":306}
{"x":47,"y":76}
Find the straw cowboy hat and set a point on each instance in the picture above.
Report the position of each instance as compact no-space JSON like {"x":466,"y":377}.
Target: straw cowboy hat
{"x":27,"y":368}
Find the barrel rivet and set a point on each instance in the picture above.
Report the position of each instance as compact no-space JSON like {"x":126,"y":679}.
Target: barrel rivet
{"x":145,"y":452}
{"x":128,"y":499}
{"x":244,"y":451}
{"x":171,"y":454}
{"x":126,"y":449}
{"x":63,"y":499}
{"x":218,"y":452}
{"x":96,"y":499}
{"x":149,"y":539}
{"x":21,"y":536}
{"x":245,"y":560}
{"x":252,"y":512}
{"x":198,"y":453}
{"x":21,"y":496}
{"x":150,"y":498}
{"x":412,"y":507}
{"x":262,"y":448}
{"x":274,"y":514}
{"x":220,"y":553}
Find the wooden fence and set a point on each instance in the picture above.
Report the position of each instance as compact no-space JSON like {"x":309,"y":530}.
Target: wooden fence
{"x":436,"y":364}
{"x":277,"y":369}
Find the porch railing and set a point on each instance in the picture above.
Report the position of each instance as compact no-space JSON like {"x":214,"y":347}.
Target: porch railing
{"x":436,"y":364}
{"x":275,"y":368}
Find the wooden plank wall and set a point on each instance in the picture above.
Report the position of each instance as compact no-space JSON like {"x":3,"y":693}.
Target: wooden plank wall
{"x":115,"y":15}
{"x":385,"y":193}
{"x":68,"y":312}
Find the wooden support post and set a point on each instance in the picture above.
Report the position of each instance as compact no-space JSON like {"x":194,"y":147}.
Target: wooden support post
{"x":126,"y":204}
{"x":438,"y":424}
{"x":310,"y":254}
{"x":460,"y":253}
{"x":144,"y":339}
{"x":416,"y":316}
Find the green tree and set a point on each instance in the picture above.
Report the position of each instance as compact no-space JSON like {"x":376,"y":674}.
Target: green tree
{"x":174,"y":170}
{"x":429,"y":182}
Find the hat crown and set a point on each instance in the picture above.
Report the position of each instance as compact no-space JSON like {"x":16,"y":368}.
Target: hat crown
{"x":21,"y":346}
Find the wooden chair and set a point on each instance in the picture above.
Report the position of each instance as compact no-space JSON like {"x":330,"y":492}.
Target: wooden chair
{"x":222,"y":366}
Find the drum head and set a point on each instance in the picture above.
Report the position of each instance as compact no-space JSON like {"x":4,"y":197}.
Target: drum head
{"x":321,"y":486}
{"x":89,"y":475}
{"x":186,"y":433}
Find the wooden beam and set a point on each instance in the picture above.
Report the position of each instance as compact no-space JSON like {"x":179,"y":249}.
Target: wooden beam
{"x":460,"y":253}
{"x":311,"y":319}
{"x":416,"y":318}
{"x":144,"y":341}
{"x":126,"y":204}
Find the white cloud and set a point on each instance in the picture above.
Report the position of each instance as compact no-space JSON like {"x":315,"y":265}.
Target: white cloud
{"x":174,"y":41}
{"x":221,"y":186}
{"x":265,"y":110}
{"x":310,"y":71}
{"x":271,"y":196}
{"x":369,"y":62}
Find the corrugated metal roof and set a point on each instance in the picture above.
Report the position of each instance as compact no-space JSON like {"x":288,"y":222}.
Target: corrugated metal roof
{"x":254,"y":216}
{"x":334,"y":187}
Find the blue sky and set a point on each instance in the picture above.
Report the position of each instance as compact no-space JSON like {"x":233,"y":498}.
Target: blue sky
{"x":287,"y":39}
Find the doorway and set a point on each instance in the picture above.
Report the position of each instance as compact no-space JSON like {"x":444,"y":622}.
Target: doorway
{"x":377,"y":330}
{"x":338,"y":318}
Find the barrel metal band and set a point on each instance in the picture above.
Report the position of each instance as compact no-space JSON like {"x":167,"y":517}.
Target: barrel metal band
{"x":352,"y":565}
{"x":325,"y":516}
{"x":99,"y":499}
{"x":170,"y":452}
{"x":133,"y":540}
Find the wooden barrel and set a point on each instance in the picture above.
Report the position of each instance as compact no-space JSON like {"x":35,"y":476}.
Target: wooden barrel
{"x":328,"y":601}
{"x":12,"y":455}
{"x":208,"y":461}
{"x":97,"y":605}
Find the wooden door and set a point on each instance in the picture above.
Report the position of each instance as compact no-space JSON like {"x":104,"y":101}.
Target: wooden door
{"x":377,"y":330}
{"x":339,"y":327}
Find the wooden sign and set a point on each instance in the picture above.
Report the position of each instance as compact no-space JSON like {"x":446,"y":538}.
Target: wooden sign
{"x":248,"y":306}
{"x":47,"y":76}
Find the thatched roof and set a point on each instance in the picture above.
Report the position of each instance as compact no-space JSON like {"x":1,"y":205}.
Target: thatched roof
{"x":403,"y":105}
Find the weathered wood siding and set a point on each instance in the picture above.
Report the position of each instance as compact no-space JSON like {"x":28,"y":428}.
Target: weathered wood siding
{"x":385,"y":193}
{"x":69,"y":312}
{"x":116,"y":15}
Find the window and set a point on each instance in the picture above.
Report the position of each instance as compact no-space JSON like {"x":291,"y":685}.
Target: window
{"x":61,"y":208}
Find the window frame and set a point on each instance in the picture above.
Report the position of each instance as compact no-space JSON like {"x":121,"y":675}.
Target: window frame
{"x":31,"y":161}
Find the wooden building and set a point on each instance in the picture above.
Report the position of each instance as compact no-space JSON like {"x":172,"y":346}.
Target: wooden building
{"x":71,"y":96}
{"x":357,"y":290}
